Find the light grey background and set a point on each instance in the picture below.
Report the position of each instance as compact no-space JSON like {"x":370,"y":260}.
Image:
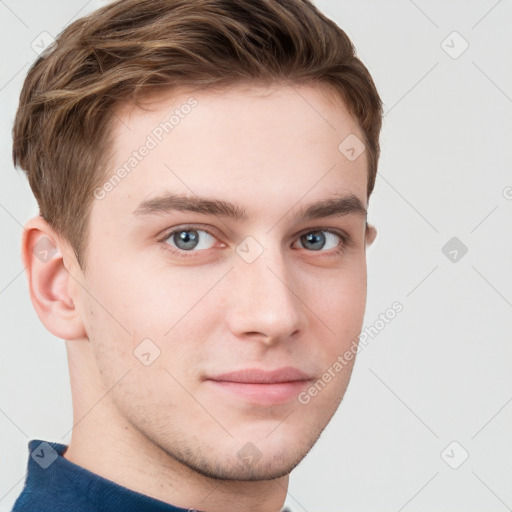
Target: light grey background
{"x":441,"y":370}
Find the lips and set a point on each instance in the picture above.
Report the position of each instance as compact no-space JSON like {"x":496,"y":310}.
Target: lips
{"x":256,"y":376}
{"x":261,"y":387}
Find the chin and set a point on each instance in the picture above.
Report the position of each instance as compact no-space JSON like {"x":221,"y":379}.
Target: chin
{"x":240,"y":459}
{"x":246,"y":470}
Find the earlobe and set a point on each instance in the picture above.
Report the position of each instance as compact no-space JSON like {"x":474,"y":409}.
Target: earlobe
{"x":49,"y":280}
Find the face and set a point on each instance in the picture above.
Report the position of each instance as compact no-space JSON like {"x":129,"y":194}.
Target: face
{"x":207,"y":257}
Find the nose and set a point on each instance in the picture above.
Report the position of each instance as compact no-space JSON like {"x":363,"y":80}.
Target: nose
{"x":265,"y":300}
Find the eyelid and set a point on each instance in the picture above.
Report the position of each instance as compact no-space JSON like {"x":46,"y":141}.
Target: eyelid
{"x":344,"y":236}
{"x":186,"y":227}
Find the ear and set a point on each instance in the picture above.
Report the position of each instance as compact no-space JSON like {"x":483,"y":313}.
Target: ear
{"x":47,"y":258}
{"x":371,"y":234}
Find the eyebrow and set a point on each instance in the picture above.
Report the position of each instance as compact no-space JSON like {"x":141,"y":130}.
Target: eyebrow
{"x":338,"y":207}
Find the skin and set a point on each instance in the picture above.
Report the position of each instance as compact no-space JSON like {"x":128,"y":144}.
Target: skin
{"x":162,"y":429}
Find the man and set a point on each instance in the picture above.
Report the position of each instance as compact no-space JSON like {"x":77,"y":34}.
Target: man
{"x":203,"y":171}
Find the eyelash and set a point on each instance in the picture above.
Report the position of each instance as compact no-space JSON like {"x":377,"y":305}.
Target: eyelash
{"x":345,"y":241}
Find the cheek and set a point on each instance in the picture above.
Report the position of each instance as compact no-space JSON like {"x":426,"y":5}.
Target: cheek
{"x":337,"y":307}
{"x":143,"y":301}
{"x":133,"y":318}
{"x":339,"y":299}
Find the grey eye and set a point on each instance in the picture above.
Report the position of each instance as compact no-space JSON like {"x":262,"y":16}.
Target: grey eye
{"x":189,"y":239}
{"x":316,"y":240}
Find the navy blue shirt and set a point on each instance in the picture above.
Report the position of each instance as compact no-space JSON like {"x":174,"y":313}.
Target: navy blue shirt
{"x":55,"y":484}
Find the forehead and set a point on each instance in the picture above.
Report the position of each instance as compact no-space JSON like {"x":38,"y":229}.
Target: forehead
{"x":274,"y":144}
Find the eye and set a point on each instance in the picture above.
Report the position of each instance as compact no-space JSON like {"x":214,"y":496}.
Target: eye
{"x":322,"y":240}
{"x":187,"y":239}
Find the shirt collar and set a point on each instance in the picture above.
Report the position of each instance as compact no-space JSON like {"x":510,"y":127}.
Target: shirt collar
{"x":53,"y":482}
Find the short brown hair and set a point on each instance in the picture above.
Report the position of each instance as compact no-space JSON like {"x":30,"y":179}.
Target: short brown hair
{"x":132,"y":47}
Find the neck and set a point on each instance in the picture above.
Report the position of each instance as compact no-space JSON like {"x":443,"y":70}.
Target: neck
{"x":107,"y":444}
